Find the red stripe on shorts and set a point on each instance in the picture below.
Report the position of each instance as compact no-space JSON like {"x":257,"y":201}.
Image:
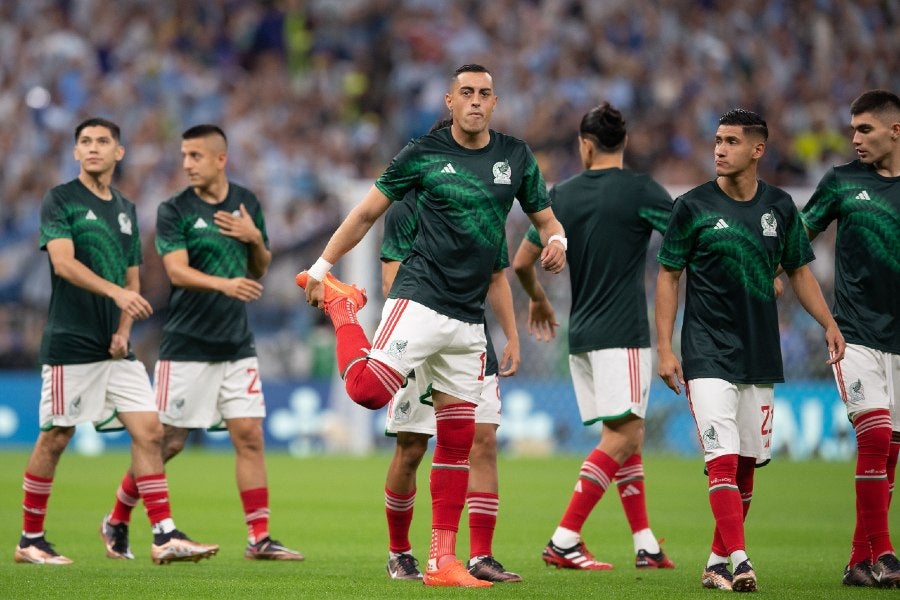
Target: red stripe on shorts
{"x":634,"y":372}
{"x":162,"y":386}
{"x":391,"y":323}
{"x":57,"y":391}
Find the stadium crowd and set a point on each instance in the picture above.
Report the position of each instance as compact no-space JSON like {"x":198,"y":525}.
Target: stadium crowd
{"x":316,"y":94}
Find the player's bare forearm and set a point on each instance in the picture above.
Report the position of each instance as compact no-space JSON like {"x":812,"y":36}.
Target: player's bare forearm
{"x":553,"y":255}
{"x":666,"y":308}
{"x":500,"y":298}
{"x":541,"y":318}
{"x":355,"y":226}
{"x":809,"y":294}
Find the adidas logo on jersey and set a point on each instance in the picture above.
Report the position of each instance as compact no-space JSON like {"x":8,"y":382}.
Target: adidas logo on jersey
{"x":90,"y":216}
{"x":721,"y":224}
{"x":448,"y":168}
{"x":863,"y":195}
{"x":200,"y":224}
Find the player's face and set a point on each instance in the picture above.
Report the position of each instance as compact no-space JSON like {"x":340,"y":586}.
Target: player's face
{"x":203,"y":160}
{"x":471,"y":101}
{"x":97,"y":150}
{"x":873,"y":137}
{"x":735,"y":150}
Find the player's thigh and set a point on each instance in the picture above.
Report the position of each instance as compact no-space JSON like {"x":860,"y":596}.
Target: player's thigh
{"x":488,"y":411}
{"x":187,"y":392}
{"x":458,"y":368}
{"x":756,"y":411}
{"x":73,"y":394}
{"x":894,"y":388}
{"x":611,"y":383}
{"x":241,"y":393}
{"x":863,"y":379}
{"x":714,"y":406}
{"x":408,"y":334}
{"x":407,"y":413}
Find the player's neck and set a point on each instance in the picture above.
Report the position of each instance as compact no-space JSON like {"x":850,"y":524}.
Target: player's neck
{"x":740,"y":186}
{"x":471,"y":140}
{"x":607,"y":161}
{"x":99,"y":184}
{"x":890,"y":166}
{"x":213,"y":193}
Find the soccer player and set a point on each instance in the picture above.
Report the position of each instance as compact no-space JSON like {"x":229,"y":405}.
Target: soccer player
{"x":609,"y":213}
{"x":864,"y":198}
{"x":213,"y":243}
{"x":89,"y":373}
{"x":731,"y":234}
{"x":466,"y":177}
{"x":411,"y":420}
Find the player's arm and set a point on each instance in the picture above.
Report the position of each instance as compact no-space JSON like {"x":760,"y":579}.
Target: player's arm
{"x":182,"y":274}
{"x":244,"y":229}
{"x":808,"y":292}
{"x":669,"y":367}
{"x":389,"y":270}
{"x":118,"y":346}
{"x":65,"y":265}
{"x":345,"y":238}
{"x":553,"y":237}
{"x":500,"y":298}
{"x":542,"y":322}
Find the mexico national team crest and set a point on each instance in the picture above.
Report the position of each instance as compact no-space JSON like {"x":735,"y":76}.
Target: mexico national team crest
{"x":711,"y":439}
{"x":402,"y":410}
{"x":124,"y":224}
{"x":769,"y":224}
{"x":397,"y":348}
{"x":502,"y":173}
{"x":855,"y":391}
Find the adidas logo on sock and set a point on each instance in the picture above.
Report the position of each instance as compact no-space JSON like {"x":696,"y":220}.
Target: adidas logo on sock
{"x":629,"y":490}
{"x":448,"y":168}
{"x":863,"y":195}
{"x":721,"y":224}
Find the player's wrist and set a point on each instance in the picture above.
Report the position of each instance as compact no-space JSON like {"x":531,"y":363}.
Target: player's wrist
{"x":558,"y":238}
{"x":319,"y":269}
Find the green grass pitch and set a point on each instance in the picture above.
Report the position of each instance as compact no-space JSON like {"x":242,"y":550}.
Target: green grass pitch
{"x":331,"y":509}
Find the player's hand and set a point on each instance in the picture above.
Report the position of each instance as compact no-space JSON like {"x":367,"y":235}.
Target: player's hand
{"x":132,"y":304}
{"x":542,"y":321}
{"x":553,"y":257}
{"x":511,"y":359}
{"x":836,"y":344}
{"x":779,"y":287}
{"x":240,"y":227}
{"x":243,"y":289}
{"x":315,"y":293}
{"x":118,"y":346}
{"x":670,"y":370}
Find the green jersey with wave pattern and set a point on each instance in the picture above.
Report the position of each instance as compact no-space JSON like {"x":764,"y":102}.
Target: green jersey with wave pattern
{"x":401,"y":223}
{"x":731,"y":251}
{"x":462,"y":200}
{"x":105,"y":235}
{"x":608,"y":215}
{"x":866,"y":206}
{"x":206,"y":326}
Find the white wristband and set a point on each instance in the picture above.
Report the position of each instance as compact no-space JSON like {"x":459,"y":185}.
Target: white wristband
{"x":558,"y":238}
{"x":320,"y":269}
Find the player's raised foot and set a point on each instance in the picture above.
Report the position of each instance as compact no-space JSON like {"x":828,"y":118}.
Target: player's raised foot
{"x":744,"y":578}
{"x":116,"y":539}
{"x":335,"y":289}
{"x":176,"y":546}
{"x":859,"y":575}
{"x":269,"y":549}
{"x":886,"y":571}
{"x":576,"y":557}
{"x":488,"y":568}
{"x":645,"y":560}
{"x":38,"y":551}
{"x":404,"y":566}
{"x":717,"y":577}
{"x":453,"y":574}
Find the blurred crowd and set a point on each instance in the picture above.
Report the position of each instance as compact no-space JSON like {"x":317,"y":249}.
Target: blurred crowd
{"x":318,"y":94}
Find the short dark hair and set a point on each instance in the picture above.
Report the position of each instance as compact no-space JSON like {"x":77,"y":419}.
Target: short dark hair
{"x":748,"y":120}
{"x":440,"y":124}
{"x":605,"y":128}
{"x":99,"y":122}
{"x":470,"y":68}
{"x":875,"y":101}
{"x":203,"y":130}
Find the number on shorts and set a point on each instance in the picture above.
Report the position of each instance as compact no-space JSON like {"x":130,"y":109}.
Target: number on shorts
{"x":767,"y":419}
{"x":253,"y":388}
{"x":483,"y":360}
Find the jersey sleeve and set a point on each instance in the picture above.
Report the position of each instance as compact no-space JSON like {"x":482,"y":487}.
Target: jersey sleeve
{"x":502,"y":260}
{"x":54,"y":222}
{"x":532,"y":192}
{"x":169,"y":231}
{"x":797,"y":249}
{"x":678,"y":241}
{"x":401,"y":224}
{"x":135,"y":257}
{"x":657,"y":206}
{"x":824,"y":205}
{"x":402,"y":174}
{"x":260,"y":221}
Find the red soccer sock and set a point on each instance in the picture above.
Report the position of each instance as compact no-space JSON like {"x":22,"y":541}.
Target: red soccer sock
{"x":351,"y":345}
{"x":154,"y":489}
{"x":342,"y":312}
{"x":483,"y":509}
{"x":892,"y":463}
{"x":256,"y":513}
{"x":450,"y":475}
{"x":745,"y":469}
{"x":597,"y":471}
{"x":630,"y":483}
{"x":873,"y":442}
{"x":725,"y":501}
{"x":371,"y":383}
{"x":127,"y":497}
{"x":399,"y":511}
{"x":34,"y":504}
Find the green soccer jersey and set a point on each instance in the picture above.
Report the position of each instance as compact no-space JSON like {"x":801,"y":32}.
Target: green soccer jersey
{"x":401,"y":223}
{"x":731,"y":251}
{"x":462,"y":199}
{"x":206,"y":326}
{"x":608,"y":215}
{"x":866,"y":206}
{"x":106,"y":239}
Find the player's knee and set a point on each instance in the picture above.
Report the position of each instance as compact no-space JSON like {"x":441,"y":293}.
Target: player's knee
{"x":370,"y":385}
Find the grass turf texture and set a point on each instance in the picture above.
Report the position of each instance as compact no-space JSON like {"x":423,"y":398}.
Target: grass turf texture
{"x":331,"y":509}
